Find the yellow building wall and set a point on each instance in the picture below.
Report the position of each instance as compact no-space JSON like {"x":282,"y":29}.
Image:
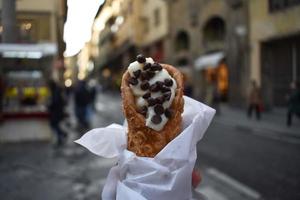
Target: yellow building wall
{"x":155,"y":32}
{"x":264,"y":25}
{"x":43,"y":11}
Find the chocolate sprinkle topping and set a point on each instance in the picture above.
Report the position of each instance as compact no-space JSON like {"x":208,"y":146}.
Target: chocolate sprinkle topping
{"x":160,"y":100}
{"x":156,"y":67}
{"x":151,"y":101}
{"x":147,"y":66}
{"x":147,"y":95}
{"x":154,"y":88}
{"x":165,"y":89}
{"x":145,"y":85}
{"x":133,"y":81}
{"x":144,"y":76}
{"x":150,"y":74}
{"x":159,"y":109}
{"x":141,"y":58}
{"x":156,"y":119}
{"x":167,"y":96}
{"x":168,"y":82}
{"x":144,"y":110}
{"x":168,"y":113}
{"x":137,"y":73}
{"x":160,"y":84}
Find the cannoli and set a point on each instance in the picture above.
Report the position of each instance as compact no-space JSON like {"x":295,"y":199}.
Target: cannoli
{"x":152,"y":96}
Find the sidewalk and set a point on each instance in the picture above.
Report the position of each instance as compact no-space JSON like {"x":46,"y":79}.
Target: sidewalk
{"x":20,"y":130}
{"x":272,"y":124}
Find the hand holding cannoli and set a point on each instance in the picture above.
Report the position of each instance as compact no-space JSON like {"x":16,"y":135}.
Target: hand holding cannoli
{"x":152,"y":96}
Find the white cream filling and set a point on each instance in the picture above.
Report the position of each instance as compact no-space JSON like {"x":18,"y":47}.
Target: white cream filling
{"x":138,"y":93}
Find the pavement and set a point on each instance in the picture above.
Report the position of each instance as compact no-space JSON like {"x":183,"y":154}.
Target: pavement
{"x":272,"y":124}
{"x":28,"y":159}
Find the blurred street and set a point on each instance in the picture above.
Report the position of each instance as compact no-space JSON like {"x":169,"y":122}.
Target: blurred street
{"x":62,"y":64}
{"x":236,"y":161}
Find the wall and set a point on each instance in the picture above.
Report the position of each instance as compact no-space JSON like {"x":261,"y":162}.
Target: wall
{"x":155,"y":31}
{"x":265,"y":26}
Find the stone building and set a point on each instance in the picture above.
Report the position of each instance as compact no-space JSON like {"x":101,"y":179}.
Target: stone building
{"x":274,"y":38}
{"x":124,"y":28}
{"x":235,"y":40}
{"x":154,"y":21}
{"x":202,"y":30}
{"x":259,"y":41}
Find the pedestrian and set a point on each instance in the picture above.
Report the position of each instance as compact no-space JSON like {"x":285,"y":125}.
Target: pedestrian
{"x":1,"y":98}
{"x":56,"y":111}
{"x":82,"y":100}
{"x":216,"y":96}
{"x":93,"y":93}
{"x":254,"y":101}
{"x":293,"y":102}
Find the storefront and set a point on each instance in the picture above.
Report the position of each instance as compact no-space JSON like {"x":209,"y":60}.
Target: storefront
{"x":280,"y":66}
{"x":26,"y":69}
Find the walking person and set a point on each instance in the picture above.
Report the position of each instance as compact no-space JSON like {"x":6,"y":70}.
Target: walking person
{"x":216,"y":97}
{"x":56,"y":108}
{"x":2,"y":88}
{"x":293,"y":102}
{"x":254,"y":101}
{"x":82,"y":100}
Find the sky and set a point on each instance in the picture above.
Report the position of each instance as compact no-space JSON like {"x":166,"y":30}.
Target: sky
{"x":78,"y":27}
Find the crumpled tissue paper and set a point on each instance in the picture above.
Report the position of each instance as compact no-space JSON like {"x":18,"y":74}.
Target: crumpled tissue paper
{"x":168,"y":175}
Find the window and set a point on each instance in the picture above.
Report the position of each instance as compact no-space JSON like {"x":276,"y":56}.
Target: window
{"x":145,"y":23}
{"x":27,"y":31}
{"x":214,"y":29}
{"x":182,"y":41}
{"x":156,"y":17}
{"x":277,"y":5}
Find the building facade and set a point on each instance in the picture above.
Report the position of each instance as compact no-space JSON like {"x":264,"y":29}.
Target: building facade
{"x":124,"y":28}
{"x":274,"y":31}
{"x":33,"y":53}
{"x":240,"y":41}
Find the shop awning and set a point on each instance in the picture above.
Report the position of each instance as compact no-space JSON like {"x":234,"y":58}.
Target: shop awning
{"x":209,"y":61}
{"x":30,"y":51}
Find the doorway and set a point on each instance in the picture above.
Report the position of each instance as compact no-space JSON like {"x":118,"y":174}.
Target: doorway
{"x":280,"y":61}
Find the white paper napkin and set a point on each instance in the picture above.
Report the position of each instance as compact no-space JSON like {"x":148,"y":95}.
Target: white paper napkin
{"x":166,"y":176}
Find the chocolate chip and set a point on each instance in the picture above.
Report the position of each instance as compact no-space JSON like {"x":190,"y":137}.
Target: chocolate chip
{"x":147,"y":95}
{"x":167,"y":96}
{"x":159,"y":109}
{"x":141,"y":58}
{"x":151,"y":101}
{"x":143,"y":110}
{"x":159,"y":84}
{"x":165,"y":89}
{"x":137,"y":73}
{"x":133,"y":81}
{"x":160,"y":100}
{"x":144,"y":76}
{"x":156,"y":119}
{"x":154,"y":88}
{"x":147,"y":66}
{"x":150,"y":74}
{"x":168,"y":113}
{"x":156,"y":67}
{"x":168,"y":82}
{"x":145,"y":85}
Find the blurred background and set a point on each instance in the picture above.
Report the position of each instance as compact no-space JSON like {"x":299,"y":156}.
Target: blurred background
{"x":61,"y":64}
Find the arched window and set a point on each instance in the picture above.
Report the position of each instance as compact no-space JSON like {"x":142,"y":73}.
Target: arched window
{"x":214,"y":30}
{"x":182,"y":41}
